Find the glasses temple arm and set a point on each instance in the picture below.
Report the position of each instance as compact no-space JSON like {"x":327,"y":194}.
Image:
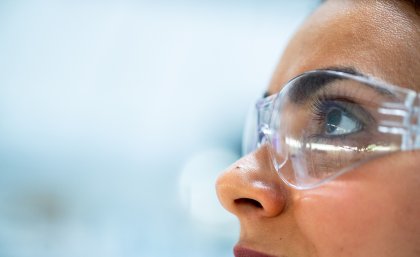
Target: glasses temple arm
{"x":402,"y":119}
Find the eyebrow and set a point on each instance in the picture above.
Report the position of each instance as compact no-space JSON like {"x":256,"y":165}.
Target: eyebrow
{"x":312,"y":83}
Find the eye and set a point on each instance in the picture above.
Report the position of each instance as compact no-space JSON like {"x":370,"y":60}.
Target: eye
{"x":338,"y":117}
{"x":340,"y":122}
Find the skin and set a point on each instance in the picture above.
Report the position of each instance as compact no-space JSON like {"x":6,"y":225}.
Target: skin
{"x":374,"y":209}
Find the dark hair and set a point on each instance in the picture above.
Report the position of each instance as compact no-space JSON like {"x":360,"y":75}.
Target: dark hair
{"x":416,"y":4}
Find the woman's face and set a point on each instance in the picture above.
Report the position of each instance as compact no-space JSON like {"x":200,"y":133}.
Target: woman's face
{"x":373,"y":210}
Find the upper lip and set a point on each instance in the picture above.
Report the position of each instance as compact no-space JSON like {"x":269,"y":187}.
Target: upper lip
{"x":241,"y":251}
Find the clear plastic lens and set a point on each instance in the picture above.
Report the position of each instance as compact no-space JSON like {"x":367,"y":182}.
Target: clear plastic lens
{"x":325,"y":123}
{"x":250,"y":134}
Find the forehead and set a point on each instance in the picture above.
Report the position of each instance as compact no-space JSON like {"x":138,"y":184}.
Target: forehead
{"x":379,"y":38}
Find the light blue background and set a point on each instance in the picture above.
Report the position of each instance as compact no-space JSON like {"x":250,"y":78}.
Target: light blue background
{"x":116,"y":116}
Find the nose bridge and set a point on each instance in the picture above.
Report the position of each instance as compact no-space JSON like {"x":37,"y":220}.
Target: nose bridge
{"x":251,"y":186}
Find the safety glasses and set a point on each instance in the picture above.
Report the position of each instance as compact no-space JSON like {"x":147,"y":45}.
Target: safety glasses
{"x":324,"y":123}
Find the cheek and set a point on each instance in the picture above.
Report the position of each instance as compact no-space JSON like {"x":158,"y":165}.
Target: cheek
{"x":355,"y":217}
{"x":332,"y":215}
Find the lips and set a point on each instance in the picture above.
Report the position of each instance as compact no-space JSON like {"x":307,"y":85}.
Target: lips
{"x":240,"y":251}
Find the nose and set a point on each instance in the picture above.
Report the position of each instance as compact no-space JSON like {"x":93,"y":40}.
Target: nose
{"x":251,"y":186}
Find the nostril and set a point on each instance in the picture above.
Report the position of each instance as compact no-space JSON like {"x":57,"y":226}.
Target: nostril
{"x":248,"y":201}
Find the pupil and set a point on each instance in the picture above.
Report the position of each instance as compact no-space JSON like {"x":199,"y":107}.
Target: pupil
{"x":333,"y":119}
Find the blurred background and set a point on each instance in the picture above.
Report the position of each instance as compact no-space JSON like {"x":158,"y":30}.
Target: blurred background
{"x":117,"y":116}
